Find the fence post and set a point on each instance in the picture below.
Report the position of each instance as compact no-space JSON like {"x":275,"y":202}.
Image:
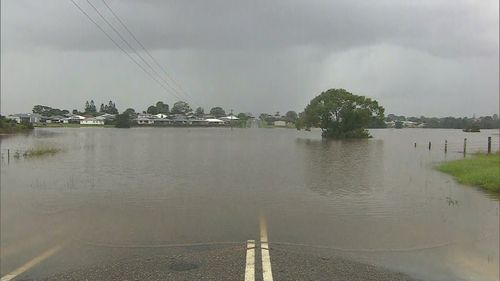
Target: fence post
{"x":489,"y":145}
{"x":445,"y":146}
{"x":465,"y":146}
{"x":429,"y":145}
{"x":8,"y":155}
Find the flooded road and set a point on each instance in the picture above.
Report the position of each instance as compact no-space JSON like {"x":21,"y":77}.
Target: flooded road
{"x":113,"y":193}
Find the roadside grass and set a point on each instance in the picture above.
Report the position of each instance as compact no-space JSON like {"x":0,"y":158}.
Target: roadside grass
{"x":481,"y":170}
{"x":41,"y":151}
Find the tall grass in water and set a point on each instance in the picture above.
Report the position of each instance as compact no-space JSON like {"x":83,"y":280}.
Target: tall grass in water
{"x":480,"y":170}
{"x":41,"y":151}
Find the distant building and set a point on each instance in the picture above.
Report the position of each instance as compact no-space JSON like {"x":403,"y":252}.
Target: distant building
{"x":92,"y":121}
{"x":25,"y":117}
{"x":390,"y":124}
{"x":279,"y":123}
{"x":106,"y":116}
{"x":74,"y":119}
{"x":144,"y":121}
{"x":215,"y":121}
{"x":54,"y":119}
{"x":229,"y":118}
{"x":161,"y":115}
{"x":410,"y":124}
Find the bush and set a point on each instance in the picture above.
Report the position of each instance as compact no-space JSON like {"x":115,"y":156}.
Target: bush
{"x":123,"y":121}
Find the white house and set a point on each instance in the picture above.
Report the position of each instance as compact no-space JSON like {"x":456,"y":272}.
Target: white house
{"x":74,"y":119}
{"x":279,"y":123}
{"x":214,"y":121}
{"x":230,"y":118}
{"x":161,"y":116}
{"x":92,"y":121}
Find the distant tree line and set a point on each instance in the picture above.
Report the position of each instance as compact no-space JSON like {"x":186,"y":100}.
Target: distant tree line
{"x":48,"y":111}
{"x":483,"y":122}
{"x":289,"y":117}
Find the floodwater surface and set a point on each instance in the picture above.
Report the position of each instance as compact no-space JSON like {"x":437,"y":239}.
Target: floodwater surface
{"x":378,"y":201}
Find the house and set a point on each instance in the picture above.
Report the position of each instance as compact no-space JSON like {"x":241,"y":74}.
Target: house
{"x":279,"y":123}
{"x":54,"y":119}
{"x":161,"y":115}
{"x":180,"y":119}
{"x":146,"y":115}
{"x":199,"y":122}
{"x":144,"y":121}
{"x":15,"y":117}
{"x":161,"y":121}
{"x":106,"y":116}
{"x":390,"y":124}
{"x":73,"y":119}
{"x":92,"y":121}
{"x":229,"y":118}
{"x":25,"y":117}
{"x":214,"y":121}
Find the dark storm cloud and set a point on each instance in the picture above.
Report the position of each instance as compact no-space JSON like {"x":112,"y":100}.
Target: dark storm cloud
{"x":265,"y":55}
{"x":440,"y":27}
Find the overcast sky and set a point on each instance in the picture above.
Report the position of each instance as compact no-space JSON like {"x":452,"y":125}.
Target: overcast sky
{"x":433,"y":58}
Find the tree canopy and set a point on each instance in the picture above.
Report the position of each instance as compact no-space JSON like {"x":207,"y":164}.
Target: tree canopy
{"x":90,"y":107}
{"x":217,"y":112}
{"x":123,"y":120}
{"x":160,"y":107}
{"x":129,"y":111}
{"x":291,"y":116}
{"x":152,"y":110}
{"x":199,"y":112}
{"x":181,"y":107}
{"x":109,"y":108}
{"x":341,"y":114}
{"x":48,"y":111}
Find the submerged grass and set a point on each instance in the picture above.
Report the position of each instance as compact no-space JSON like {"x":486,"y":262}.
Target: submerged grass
{"x":481,"y":170}
{"x":41,"y":151}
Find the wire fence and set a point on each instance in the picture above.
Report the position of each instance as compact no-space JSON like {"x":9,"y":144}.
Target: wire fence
{"x":7,"y":154}
{"x":488,"y":145}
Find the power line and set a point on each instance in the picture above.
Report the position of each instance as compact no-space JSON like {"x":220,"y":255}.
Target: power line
{"x":130,"y":46}
{"x":123,"y":50}
{"x":145,"y":49}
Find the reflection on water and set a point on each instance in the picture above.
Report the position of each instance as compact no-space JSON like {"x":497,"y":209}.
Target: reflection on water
{"x":376,"y":200}
{"x":341,"y":168}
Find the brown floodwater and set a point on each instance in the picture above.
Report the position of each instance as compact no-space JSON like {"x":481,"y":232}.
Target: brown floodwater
{"x":378,"y":200}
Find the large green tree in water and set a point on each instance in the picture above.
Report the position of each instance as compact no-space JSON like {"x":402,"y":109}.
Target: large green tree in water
{"x":341,"y":114}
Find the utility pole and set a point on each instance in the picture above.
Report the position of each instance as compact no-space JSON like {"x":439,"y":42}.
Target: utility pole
{"x":231,"y":120}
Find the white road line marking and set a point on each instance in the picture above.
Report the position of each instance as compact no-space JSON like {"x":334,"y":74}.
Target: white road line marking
{"x":267,"y":273}
{"x":250,"y":268}
{"x":31,"y":263}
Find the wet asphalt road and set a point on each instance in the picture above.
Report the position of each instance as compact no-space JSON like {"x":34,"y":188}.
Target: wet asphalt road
{"x":216,"y":263}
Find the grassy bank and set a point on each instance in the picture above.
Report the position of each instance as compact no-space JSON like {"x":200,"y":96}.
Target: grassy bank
{"x":480,"y":170}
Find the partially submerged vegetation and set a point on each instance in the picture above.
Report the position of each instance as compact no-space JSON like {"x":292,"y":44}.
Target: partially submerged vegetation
{"x":341,"y":114}
{"x":481,"y":170}
{"x":36,"y":152}
{"x":41,"y":151}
